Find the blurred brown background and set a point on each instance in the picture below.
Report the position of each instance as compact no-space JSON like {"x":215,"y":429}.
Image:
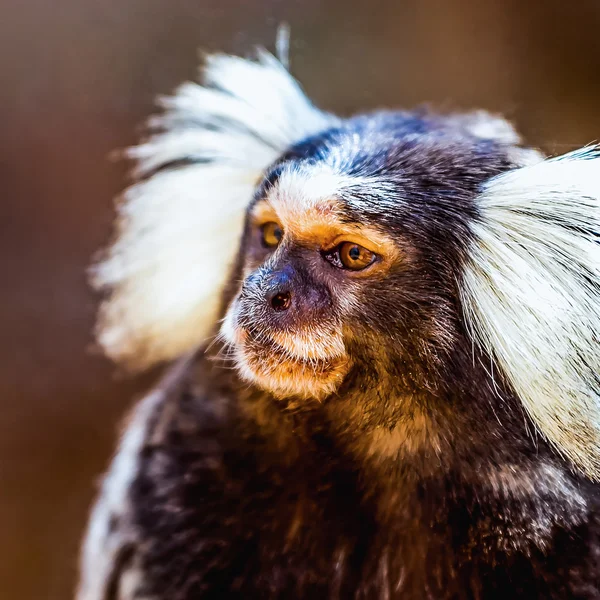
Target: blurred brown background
{"x":76,"y":79}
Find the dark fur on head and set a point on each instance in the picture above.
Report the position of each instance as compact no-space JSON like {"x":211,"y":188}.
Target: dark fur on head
{"x":413,"y":315}
{"x":414,"y":180}
{"x":408,"y":378}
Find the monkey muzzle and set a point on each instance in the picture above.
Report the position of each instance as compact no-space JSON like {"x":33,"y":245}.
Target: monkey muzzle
{"x":284,"y":334}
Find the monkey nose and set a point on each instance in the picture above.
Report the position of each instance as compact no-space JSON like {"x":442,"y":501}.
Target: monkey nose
{"x":281,"y":301}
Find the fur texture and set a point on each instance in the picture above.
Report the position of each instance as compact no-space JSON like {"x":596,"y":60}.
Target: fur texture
{"x":108,"y":564}
{"x":425,"y":425}
{"x":531,"y":291}
{"x":104,"y":556}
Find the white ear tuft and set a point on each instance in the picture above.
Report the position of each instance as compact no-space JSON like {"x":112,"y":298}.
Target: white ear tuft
{"x":531,"y":295}
{"x":179,"y":229}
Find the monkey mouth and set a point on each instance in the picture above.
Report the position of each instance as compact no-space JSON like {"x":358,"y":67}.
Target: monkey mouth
{"x":286,"y":364}
{"x":280,"y":354}
{"x":273,"y":367}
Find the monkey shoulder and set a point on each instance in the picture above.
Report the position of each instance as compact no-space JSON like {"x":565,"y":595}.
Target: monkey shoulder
{"x":163,"y":488}
{"x":530,"y":533}
{"x":222,"y":504}
{"x":206,"y":500}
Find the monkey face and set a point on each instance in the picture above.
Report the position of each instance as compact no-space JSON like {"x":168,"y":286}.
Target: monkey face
{"x":339,"y":252}
{"x":302,"y":272}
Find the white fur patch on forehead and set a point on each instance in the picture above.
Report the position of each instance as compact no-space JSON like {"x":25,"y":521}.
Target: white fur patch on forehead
{"x":179,"y":229}
{"x":531,"y":294}
{"x":305,"y":186}
{"x":303,"y":190}
{"x":308,"y":200}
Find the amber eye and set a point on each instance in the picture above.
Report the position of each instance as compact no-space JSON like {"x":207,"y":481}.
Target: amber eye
{"x":351,"y":256}
{"x":271,"y":234}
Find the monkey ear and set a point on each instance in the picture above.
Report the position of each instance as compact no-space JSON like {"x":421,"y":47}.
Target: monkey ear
{"x":531,"y":295}
{"x":179,"y":227}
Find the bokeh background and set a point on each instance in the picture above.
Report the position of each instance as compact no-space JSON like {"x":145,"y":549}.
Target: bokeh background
{"x":77,"y":77}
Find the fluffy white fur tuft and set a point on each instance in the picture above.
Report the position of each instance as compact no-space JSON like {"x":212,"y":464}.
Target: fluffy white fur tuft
{"x":531,"y":293}
{"x":179,"y":228}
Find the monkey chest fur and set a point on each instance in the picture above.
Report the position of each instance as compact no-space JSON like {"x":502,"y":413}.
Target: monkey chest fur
{"x":223,"y":511}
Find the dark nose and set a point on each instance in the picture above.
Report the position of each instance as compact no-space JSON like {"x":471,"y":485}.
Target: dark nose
{"x":279,"y":295}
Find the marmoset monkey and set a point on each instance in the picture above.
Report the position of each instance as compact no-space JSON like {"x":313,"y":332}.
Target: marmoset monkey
{"x":385,"y":335}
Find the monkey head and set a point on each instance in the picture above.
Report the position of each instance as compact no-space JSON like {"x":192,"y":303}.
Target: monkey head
{"x":339,"y":253}
{"x":351,"y":252}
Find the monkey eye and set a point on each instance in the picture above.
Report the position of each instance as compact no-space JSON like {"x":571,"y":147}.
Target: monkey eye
{"x":271,"y":234}
{"x":353,"y":257}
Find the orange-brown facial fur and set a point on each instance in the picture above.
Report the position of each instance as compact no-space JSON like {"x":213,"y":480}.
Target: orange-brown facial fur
{"x":299,"y":350}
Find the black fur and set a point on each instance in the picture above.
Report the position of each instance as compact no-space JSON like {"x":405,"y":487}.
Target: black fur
{"x":244,"y":496}
{"x":228,"y":507}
